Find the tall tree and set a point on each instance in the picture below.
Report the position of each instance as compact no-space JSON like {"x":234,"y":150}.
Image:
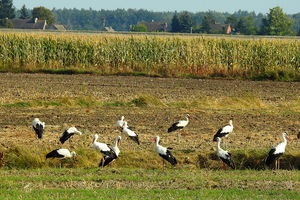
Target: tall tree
{"x":246,"y":26}
{"x":232,"y":20}
{"x":43,"y":13}
{"x":185,"y":22}
{"x":207,"y":21}
{"x":277,"y":23}
{"x":175,"y":24}
{"x":24,"y":14}
{"x":7,"y":9}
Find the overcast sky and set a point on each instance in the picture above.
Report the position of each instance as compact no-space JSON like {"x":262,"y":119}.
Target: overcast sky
{"x":262,"y":6}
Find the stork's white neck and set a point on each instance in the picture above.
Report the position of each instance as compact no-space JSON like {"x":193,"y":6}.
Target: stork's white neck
{"x":157,"y":141}
{"x":116,"y":142}
{"x":284,"y":139}
{"x":218,"y":144}
{"x":95,"y":138}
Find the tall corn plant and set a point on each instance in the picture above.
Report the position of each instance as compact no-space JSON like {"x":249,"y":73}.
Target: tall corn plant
{"x":159,"y":55}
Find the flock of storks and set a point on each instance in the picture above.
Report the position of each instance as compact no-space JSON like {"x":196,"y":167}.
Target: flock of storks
{"x":111,"y":153}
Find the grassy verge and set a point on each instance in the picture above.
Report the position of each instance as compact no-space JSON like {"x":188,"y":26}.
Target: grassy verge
{"x":243,"y":104}
{"x":125,"y":183}
{"x":65,"y":194}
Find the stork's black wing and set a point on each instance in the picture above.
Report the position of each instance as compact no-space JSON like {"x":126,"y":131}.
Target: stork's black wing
{"x":106,"y":160}
{"x":54,"y":154}
{"x":174,"y":127}
{"x":135,"y":138}
{"x":39,"y":130}
{"x":65,"y":136}
{"x":169,"y":157}
{"x":272,"y":156}
{"x":219,"y":134}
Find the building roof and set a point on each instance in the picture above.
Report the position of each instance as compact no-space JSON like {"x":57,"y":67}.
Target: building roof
{"x":220,"y":28}
{"x":155,"y":26}
{"x":59,"y":27}
{"x":29,"y":24}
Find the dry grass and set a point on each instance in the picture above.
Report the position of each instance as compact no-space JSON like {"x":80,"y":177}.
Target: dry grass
{"x":234,"y":104}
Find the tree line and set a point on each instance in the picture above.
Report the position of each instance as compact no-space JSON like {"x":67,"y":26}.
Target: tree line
{"x":276,"y":22}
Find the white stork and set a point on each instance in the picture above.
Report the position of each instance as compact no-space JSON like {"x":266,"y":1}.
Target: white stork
{"x":276,"y":152}
{"x":180,"y":124}
{"x":224,"y":131}
{"x":102,"y":147}
{"x":120,"y":123}
{"x":108,"y":159}
{"x":61,"y":153}
{"x":164,"y":152}
{"x":38,"y":127}
{"x":68,"y":134}
{"x":132,"y":135}
{"x":225,"y":156}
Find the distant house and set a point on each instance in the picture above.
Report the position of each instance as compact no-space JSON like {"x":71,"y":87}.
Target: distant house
{"x":29,"y":24}
{"x":57,"y":27}
{"x":155,"y":26}
{"x":220,"y":28}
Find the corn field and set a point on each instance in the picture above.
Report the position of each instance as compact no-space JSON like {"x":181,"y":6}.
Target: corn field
{"x":197,"y":56}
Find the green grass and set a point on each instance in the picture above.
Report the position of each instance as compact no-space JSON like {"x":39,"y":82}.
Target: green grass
{"x":145,"y":194}
{"x":128,"y":183}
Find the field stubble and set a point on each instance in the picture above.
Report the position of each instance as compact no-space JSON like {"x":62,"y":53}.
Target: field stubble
{"x":260,"y":111}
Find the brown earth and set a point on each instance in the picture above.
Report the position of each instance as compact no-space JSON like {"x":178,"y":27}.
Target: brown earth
{"x":252,"y":130}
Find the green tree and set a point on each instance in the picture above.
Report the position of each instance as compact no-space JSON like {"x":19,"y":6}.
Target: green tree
{"x":206,"y":23}
{"x":139,"y":28}
{"x":232,"y":20}
{"x":185,"y":22}
{"x":24,"y":14}
{"x":246,"y":26}
{"x":175,"y":24}
{"x":6,"y":23}
{"x":7,"y":9}
{"x":277,"y":23}
{"x":43,"y":13}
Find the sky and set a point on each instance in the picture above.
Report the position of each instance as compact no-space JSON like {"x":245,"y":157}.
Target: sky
{"x":258,"y":6}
